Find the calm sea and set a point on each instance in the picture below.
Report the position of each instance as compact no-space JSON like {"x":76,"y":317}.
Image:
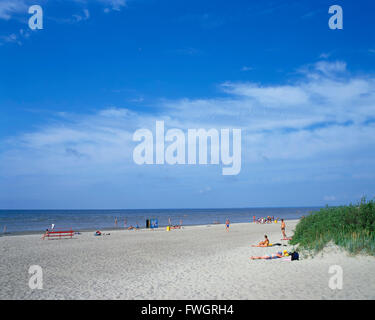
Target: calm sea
{"x":39,"y":220}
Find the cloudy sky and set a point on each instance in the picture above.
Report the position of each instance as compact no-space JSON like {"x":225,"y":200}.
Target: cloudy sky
{"x":73,"y":94}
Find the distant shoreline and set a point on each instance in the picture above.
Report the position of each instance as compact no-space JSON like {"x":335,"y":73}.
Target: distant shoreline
{"x":161,"y":228}
{"x":34,"y":221}
{"x":172,"y":209}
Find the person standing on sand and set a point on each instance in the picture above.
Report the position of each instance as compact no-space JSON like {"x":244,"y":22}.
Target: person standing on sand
{"x":115,"y":222}
{"x":227,"y":224}
{"x":283,"y":228}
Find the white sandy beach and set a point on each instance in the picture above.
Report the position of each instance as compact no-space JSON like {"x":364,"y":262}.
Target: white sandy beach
{"x":197,"y":262}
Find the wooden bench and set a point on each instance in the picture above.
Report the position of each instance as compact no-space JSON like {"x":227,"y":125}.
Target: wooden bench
{"x":58,"y":234}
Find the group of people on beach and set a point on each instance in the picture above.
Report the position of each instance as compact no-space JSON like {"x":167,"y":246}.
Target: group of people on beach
{"x":131,"y":227}
{"x":266,"y":241}
{"x":280,"y":254}
{"x":136,"y":227}
{"x":267,"y":219}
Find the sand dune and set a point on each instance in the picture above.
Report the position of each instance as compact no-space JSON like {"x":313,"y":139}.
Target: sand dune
{"x":198,"y":262}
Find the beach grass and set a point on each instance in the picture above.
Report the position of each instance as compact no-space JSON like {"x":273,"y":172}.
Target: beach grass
{"x":350,"y":227}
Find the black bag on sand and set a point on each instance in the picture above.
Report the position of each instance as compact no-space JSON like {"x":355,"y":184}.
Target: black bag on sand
{"x":294,"y":255}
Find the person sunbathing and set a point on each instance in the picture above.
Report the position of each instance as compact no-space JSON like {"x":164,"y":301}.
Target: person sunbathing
{"x":264,"y":243}
{"x":271,"y":256}
{"x":134,"y":228}
{"x":98,"y":233}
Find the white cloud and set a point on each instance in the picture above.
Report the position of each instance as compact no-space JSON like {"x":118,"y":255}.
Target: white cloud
{"x":246,"y":68}
{"x":328,"y":68}
{"x":15,"y":37}
{"x":10,"y":7}
{"x":324,"y":55}
{"x":82,"y":17}
{"x":323,"y":68}
{"x":323,"y":118}
{"x":115,"y":5}
{"x":113,"y":112}
{"x":269,"y":95}
{"x":10,"y":38}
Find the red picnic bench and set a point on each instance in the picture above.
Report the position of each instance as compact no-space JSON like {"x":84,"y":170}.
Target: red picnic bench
{"x":58,"y":234}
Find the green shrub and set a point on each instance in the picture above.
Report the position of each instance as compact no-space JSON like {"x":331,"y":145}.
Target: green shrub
{"x":350,"y":227}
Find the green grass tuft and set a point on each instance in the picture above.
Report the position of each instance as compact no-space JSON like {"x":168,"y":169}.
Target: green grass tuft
{"x":350,"y":227}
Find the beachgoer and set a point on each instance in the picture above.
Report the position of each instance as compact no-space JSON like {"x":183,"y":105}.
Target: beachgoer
{"x":116,"y":222}
{"x":264,"y":243}
{"x":283,"y":228}
{"x":227,"y":224}
{"x":52,"y":226}
{"x":45,"y":234}
{"x":134,"y":228}
{"x":270,"y":256}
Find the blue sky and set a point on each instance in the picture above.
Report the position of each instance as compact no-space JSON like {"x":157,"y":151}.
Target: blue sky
{"x":72,"y":95}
